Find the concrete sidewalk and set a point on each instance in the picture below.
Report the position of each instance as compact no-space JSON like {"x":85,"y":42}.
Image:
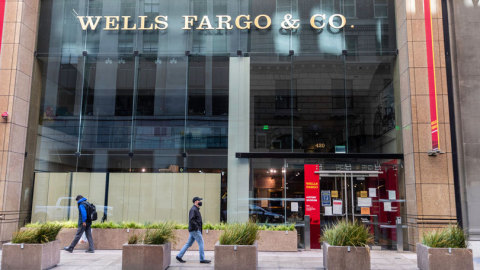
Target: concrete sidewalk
{"x":112,"y":260}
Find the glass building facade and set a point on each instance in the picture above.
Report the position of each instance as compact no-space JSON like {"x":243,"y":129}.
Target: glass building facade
{"x":141,"y":120}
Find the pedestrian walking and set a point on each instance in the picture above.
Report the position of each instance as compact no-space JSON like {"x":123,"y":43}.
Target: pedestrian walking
{"x":195,"y":229}
{"x":85,"y":210}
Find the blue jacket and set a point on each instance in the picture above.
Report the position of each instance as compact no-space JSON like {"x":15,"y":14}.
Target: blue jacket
{"x":82,"y":216}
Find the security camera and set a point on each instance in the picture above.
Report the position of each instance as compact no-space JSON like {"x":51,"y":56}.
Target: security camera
{"x":433,"y":153}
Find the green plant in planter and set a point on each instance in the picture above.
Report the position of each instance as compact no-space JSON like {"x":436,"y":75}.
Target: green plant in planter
{"x":347,"y":234}
{"x":157,"y":234}
{"x":181,"y":226}
{"x":106,"y":225}
{"x":37,"y":235}
{"x":134,"y":239}
{"x":162,"y":234}
{"x":239,"y":234}
{"x":450,"y":237}
{"x":63,"y":224}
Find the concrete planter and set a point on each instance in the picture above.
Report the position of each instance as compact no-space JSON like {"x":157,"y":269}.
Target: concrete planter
{"x":444,"y":258}
{"x":277,"y":241}
{"x":345,"y":258}
{"x":146,"y":257}
{"x":105,"y":239}
{"x":31,"y":256}
{"x":236,"y":257}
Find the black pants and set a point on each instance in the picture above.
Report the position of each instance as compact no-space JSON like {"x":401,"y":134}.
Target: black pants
{"x":88,"y":232}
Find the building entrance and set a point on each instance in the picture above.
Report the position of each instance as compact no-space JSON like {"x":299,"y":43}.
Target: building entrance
{"x":369,"y":197}
{"x":368,"y":192}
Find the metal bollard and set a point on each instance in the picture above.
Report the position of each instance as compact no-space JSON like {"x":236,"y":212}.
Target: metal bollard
{"x":399,"y":234}
{"x":306,"y":233}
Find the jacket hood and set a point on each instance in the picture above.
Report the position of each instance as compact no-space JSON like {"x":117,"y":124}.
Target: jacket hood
{"x":82,"y":200}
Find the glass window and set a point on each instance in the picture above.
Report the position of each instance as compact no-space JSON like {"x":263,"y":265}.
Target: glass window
{"x":350,"y":8}
{"x":381,"y":8}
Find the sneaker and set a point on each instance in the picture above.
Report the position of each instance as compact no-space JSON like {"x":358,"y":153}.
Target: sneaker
{"x":205,"y":261}
{"x":68,"y":249}
{"x":89,"y":251}
{"x":180,"y":259}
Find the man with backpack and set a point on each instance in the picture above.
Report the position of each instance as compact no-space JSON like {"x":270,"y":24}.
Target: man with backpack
{"x":86,"y":213}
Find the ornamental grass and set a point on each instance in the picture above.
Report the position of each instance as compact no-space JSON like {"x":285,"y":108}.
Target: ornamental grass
{"x":450,"y":237}
{"x":159,"y":234}
{"x":239,"y":234}
{"x":43,"y":233}
{"x":346,"y":233}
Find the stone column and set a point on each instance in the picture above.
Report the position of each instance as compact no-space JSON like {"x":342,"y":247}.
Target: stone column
{"x":16,"y":66}
{"x":428,"y":179}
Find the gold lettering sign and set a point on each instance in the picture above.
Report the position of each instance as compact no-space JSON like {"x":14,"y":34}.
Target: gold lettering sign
{"x":111,"y":22}
{"x":221,"y":22}
{"x":247,"y":23}
{"x":267,"y":18}
{"x":314,"y":18}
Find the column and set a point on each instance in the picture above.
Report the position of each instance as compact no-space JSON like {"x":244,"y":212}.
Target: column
{"x":238,"y":139}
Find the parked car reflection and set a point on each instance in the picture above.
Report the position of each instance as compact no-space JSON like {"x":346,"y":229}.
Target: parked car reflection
{"x":61,"y":209}
{"x":261,"y":215}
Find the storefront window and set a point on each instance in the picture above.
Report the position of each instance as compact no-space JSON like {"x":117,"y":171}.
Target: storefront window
{"x":149,"y":112}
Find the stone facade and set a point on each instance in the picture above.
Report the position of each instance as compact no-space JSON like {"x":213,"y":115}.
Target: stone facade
{"x":428,"y":179}
{"x":16,"y":68}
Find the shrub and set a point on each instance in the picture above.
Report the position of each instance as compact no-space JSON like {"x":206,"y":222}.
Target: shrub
{"x":450,"y":237}
{"x":181,"y":227}
{"x":347,"y":234}
{"x":63,"y":224}
{"x":290,"y":227}
{"x":134,"y":239}
{"x":106,"y":225}
{"x":239,"y":234}
{"x":37,"y":235}
{"x":131,"y":225}
{"x":163,"y":234}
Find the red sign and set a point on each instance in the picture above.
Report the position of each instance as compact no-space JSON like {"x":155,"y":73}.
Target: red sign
{"x":431,"y":76}
{"x":312,"y":193}
{"x":312,"y":203}
{"x":2,"y":13}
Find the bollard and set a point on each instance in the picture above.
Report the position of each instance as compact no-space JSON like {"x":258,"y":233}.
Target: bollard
{"x":306,"y":233}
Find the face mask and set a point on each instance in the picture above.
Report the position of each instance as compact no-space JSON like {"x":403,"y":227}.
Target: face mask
{"x":200,"y":204}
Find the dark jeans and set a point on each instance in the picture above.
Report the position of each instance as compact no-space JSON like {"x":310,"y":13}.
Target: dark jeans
{"x":88,"y":232}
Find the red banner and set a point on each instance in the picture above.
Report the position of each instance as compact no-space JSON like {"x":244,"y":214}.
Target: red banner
{"x":2,"y":14}
{"x":312,"y":193}
{"x":312,"y":203}
{"x":431,"y":76}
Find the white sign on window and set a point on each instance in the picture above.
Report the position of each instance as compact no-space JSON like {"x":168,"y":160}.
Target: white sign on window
{"x":364,"y":202}
{"x":294,"y":206}
{"x":337,"y":207}
{"x":387,"y":206}
{"x":328,"y":211}
{"x":392,"y":195}
{"x":372,"y":192}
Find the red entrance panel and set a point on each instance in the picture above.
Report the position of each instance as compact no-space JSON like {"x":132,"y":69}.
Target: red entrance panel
{"x":312,"y":202}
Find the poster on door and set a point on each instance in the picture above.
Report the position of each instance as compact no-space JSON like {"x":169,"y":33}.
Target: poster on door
{"x":326,"y":198}
{"x":337,"y":207}
{"x":312,"y":193}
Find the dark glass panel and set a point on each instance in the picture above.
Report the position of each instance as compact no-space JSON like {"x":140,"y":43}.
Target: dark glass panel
{"x":271,"y":106}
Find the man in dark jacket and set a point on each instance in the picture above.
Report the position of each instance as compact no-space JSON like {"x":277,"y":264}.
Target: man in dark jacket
{"x":195,"y":228}
{"x":84,"y":225}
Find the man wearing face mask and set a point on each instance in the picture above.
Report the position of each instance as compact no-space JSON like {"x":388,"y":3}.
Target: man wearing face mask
{"x":195,"y":228}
